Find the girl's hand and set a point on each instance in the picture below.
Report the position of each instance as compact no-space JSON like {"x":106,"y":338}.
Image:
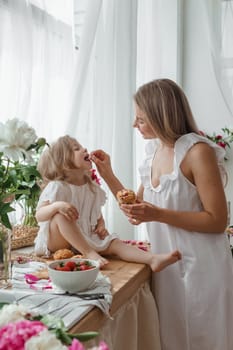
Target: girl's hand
{"x":140,"y":212}
{"x":101,"y":231}
{"x":68,"y":210}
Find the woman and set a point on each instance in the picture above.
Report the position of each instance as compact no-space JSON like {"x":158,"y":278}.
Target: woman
{"x":182,"y":200}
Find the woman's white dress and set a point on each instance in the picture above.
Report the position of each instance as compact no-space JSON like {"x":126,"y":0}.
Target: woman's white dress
{"x":195,"y":295}
{"x":88,"y":203}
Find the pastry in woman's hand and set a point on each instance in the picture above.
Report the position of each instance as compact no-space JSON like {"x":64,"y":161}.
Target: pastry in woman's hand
{"x":125,"y":196}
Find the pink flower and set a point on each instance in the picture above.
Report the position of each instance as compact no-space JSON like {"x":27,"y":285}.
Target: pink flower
{"x":102,"y":346}
{"x":94,"y":176}
{"x":221,"y":144}
{"x":30,"y":278}
{"x":14,"y":335}
{"x":76,"y":345}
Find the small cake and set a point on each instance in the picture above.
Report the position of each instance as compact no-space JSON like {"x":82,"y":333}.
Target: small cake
{"x":125,"y":196}
{"x":63,"y":254}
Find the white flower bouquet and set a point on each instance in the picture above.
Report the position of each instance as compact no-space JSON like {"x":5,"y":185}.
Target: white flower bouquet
{"x":19,"y":148}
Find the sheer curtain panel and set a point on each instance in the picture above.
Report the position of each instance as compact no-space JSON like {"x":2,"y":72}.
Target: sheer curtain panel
{"x":219,"y":19}
{"x":101,"y":113}
{"x":36,"y":64}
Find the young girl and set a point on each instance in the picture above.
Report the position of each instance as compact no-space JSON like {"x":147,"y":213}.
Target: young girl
{"x":69,"y":210}
{"x":184,"y":205}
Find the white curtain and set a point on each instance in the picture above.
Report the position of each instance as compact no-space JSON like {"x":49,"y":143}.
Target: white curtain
{"x":101,"y":113}
{"x":86,"y":92}
{"x":219,"y":20}
{"x":36,"y":63}
{"x":159,"y":30}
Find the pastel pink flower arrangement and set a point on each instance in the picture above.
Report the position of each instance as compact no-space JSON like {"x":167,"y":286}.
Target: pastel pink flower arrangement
{"x":13,"y":336}
{"x":223,"y":140}
{"x":20,"y":330}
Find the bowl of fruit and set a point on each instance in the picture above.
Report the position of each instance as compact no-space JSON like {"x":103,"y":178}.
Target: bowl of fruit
{"x":73,"y":275}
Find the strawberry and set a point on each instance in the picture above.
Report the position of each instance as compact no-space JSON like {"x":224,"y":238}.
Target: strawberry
{"x":62,"y":268}
{"x":71,"y":265}
{"x":65,"y":268}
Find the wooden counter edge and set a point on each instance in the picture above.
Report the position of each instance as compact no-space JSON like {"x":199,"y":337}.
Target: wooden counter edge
{"x":96,"y":318}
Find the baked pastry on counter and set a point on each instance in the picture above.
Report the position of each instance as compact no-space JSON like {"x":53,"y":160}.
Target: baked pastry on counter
{"x":63,"y":254}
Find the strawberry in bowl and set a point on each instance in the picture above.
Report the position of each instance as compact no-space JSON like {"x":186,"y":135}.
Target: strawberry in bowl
{"x":73,"y":275}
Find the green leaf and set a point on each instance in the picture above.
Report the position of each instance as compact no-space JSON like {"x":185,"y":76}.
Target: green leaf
{"x":63,"y":336}
{"x":6,"y":208}
{"x":2,"y":304}
{"x":85,"y":336}
{"x":5,"y":220}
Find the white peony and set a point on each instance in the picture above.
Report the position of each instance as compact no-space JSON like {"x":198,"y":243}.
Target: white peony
{"x":15,"y":138}
{"x":44,"y":341}
{"x":12,"y":313}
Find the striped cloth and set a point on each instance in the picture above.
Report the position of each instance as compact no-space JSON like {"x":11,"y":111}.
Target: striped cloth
{"x":44,"y":298}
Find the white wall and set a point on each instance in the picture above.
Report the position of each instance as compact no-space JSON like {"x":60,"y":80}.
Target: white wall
{"x":199,"y":82}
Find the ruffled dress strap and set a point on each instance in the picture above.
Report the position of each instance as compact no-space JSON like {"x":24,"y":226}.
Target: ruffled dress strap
{"x":185,"y":142}
{"x":145,"y":167}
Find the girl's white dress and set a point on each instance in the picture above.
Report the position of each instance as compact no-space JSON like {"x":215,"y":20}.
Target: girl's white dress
{"x":88,"y":203}
{"x":195,"y":295}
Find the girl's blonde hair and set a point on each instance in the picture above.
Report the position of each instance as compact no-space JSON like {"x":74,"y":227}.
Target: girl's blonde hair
{"x":57,"y":159}
{"x":167,"y":109}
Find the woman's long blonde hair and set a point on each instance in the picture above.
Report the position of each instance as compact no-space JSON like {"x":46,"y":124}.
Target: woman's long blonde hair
{"x":167,"y":109}
{"x":56,"y":160}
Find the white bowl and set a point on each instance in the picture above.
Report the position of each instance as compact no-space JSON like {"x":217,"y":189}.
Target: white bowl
{"x":73,"y":281}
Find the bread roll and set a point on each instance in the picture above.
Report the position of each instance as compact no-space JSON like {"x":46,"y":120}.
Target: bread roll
{"x":63,"y":254}
{"x":125,"y":196}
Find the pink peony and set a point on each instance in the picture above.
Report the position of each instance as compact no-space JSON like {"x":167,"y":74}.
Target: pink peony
{"x":76,"y":345}
{"x":14,"y":335}
{"x":103,"y":346}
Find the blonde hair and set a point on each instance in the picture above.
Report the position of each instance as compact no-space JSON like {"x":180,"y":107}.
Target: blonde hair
{"x":57,"y":159}
{"x":167,"y":109}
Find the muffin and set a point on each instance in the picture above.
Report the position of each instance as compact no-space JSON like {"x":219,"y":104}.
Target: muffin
{"x":63,"y":254}
{"x":125,"y":196}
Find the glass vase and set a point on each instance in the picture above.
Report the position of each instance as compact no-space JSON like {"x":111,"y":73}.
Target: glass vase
{"x":5,"y":257}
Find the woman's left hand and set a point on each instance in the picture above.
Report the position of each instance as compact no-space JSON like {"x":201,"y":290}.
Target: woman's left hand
{"x":140,"y":212}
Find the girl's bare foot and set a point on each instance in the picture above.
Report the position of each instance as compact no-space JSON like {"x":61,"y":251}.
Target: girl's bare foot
{"x":160,"y":261}
{"x":95,"y":256}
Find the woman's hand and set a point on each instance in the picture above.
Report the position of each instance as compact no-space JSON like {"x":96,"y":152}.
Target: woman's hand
{"x":140,"y":212}
{"x":102,"y":161}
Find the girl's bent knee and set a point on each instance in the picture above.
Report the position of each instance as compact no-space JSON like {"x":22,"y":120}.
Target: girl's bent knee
{"x":58,"y":218}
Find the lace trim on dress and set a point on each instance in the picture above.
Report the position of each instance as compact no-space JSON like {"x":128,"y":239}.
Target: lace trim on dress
{"x":183,"y":144}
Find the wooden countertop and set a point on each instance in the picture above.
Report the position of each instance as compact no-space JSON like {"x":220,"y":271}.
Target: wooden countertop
{"x":126,"y":278}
